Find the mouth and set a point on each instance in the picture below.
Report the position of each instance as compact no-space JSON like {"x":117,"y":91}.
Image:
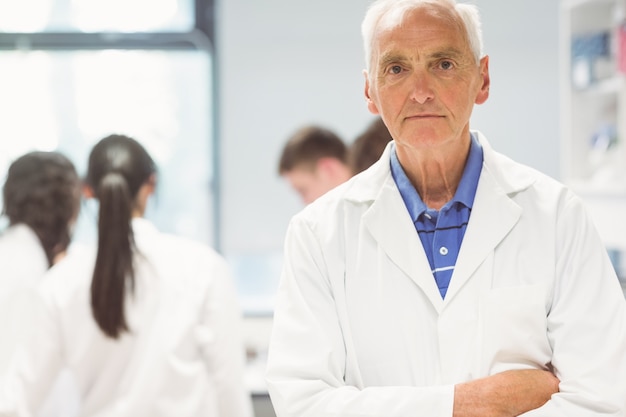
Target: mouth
{"x":424,"y":116}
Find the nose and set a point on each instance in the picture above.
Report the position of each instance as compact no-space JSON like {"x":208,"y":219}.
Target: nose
{"x":422,"y":87}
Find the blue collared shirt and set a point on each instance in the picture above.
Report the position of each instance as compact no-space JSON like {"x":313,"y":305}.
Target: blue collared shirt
{"x":442,"y":231}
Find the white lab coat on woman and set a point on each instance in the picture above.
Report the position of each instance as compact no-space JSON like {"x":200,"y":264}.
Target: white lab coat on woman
{"x":184,"y":355}
{"x":23,"y":263}
{"x":360,"y":328}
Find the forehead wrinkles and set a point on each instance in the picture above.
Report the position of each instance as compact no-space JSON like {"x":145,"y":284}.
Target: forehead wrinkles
{"x":405,"y":19}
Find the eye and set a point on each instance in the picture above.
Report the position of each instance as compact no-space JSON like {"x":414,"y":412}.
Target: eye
{"x":395,"y":69}
{"x":446,"y":65}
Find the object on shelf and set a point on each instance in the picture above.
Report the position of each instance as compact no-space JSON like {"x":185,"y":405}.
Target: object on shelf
{"x":619,"y":43}
{"x":621,"y":47}
{"x":604,"y":138}
{"x":605,"y":155}
{"x":592,"y":60}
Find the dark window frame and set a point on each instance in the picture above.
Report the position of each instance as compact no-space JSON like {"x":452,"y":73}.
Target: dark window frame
{"x":204,"y":27}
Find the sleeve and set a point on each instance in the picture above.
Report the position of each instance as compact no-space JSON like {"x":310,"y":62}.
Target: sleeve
{"x":586,"y":324}
{"x":307,"y":358}
{"x":225,"y":356}
{"x":37,"y":362}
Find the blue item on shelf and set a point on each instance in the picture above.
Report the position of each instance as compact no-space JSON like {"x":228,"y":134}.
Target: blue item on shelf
{"x":589,"y":52}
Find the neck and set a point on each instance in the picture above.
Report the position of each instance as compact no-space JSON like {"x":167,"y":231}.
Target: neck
{"x":435,"y":172}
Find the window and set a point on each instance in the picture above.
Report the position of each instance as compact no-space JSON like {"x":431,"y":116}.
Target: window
{"x":75,"y":71}
{"x":72,"y":72}
{"x":93,"y":16}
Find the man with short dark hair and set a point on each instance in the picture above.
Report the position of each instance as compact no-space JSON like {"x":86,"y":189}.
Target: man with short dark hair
{"x":313,"y":161}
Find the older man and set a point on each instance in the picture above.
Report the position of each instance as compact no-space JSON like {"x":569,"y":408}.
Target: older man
{"x":446,"y":280}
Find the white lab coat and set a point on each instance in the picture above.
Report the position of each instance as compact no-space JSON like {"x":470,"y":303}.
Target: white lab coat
{"x":360,"y":328}
{"x":183,"y":358}
{"x":23,"y":263}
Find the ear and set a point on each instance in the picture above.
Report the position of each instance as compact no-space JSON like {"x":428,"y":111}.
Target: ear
{"x":371,"y":106}
{"x":145,"y":191}
{"x":87,"y":191}
{"x":151,"y":184}
{"x":331,"y":170}
{"x":324,"y":166}
{"x":483,"y":93}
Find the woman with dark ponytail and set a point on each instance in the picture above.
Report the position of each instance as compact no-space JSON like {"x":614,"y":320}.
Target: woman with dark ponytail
{"x":118,"y":169}
{"x":149,"y":323}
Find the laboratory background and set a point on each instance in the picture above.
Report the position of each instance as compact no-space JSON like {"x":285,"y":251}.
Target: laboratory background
{"x":213,"y":88}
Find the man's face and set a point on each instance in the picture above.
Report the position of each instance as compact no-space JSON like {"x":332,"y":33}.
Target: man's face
{"x":308,"y":182}
{"x":424,"y":80}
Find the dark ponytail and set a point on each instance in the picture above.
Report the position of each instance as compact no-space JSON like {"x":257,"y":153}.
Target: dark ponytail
{"x":118,"y":167}
{"x":114,"y":263}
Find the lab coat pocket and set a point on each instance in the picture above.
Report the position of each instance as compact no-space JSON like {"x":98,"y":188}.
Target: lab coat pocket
{"x":514,"y":329}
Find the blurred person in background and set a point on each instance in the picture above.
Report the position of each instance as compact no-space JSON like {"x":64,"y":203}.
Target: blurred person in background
{"x":313,"y":161}
{"x":368,"y":146}
{"x":148,"y":322}
{"x":41,"y":200}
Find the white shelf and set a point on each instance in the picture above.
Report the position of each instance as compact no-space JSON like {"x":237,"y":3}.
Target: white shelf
{"x":612,"y":85}
{"x":592,"y":190}
{"x":585,"y":111}
{"x":588,"y":110}
{"x":572,"y":4}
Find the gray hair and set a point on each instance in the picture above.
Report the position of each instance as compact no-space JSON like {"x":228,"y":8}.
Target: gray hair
{"x":396,"y":8}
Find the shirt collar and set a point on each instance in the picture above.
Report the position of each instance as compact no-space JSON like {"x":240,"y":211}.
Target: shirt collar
{"x":465,"y":193}
{"x":144,"y":231}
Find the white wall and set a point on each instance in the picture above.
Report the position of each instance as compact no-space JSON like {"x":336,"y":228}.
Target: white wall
{"x":284,"y":63}
{"x":521,"y":117}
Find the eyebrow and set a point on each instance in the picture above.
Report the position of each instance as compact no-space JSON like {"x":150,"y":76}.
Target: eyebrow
{"x":389,"y":57}
{"x":452,"y":53}
{"x":448,"y":53}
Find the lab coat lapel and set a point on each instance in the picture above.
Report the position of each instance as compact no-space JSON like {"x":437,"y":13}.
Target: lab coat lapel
{"x":493,"y":215}
{"x":391,"y":226}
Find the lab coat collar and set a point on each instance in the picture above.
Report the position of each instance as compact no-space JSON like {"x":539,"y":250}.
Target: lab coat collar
{"x":493,"y":216}
{"x":142,"y":225}
{"x":390,"y":223}
{"x":366,"y":185}
{"x":143,"y":231}
{"x":506,"y":173}
{"x":23,"y":233}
